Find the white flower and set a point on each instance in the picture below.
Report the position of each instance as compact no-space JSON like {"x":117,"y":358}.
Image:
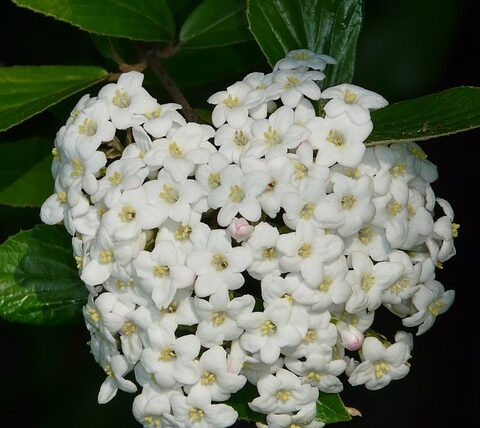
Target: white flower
{"x":208,"y":175}
{"x":297,"y":84}
{"x":332,"y":288}
{"x":161,"y":272}
{"x":304,"y":58}
{"x":420,"y":220}
{"x":237,"y":193}
{"x":348,"y":207}
{"x":368,"y":281}
{"x":319,"y":370}
{"x":406,"y":286}
{"x":430,"y":301}
{"x":115,"y":369}
{"x":266,"y":257}
{"x":353,"y":100}
{"x":234,"y":141}
{"x":280,"y":172}
{"x":171,"y":360}
{"x":172,"y":199}
{"x":126,"y":99}
{"x":130,"y":215}
{"x":276,"y":134}
{"x":196,"y":411}
{"x":301,"y":419}
{"x":300,"y":206}
{"x":181,"y":150}
{"x":218,"y":265}
{"x":441,"y":245}
{"x":215,"y":380}
{"x":370,"y":240}
{"x":339,"y":140}
{"x":152,"y":409}
{"x":162,"y":118}
{"x":380,"y":365}
{"x":239,"y":229}
{"x":306,"y":250}
{"x":123,"y":174}
{"x":218,"y":317}
{"x":269,"y":331}
{"x":320,"y":332}
{"x":282,"y":393}
{"x":233,"y":104}
{"x":90,"y":128}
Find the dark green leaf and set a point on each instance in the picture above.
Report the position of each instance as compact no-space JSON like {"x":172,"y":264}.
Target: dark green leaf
{"x":216,"y":23}
{"x":25,"y":178}
{"x":447,"y":112}
{"x":204,"y":115}
{"x":330,"y":409}
{"x":148,"y":20}
{"x":39,"y":283}
{"x":26,"y":91}
{"x":330,"y":27}
{"x":239,"y":402}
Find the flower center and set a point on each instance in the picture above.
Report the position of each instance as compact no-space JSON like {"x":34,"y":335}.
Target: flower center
{"x":214,"y":180}
{"x":454,"y":228}
{"x":62,"y":197}
{"x":270,"y":185}
{"x":240,"y":139}
{"x":183,"y":232}
{"x":401,"y":285}
{"x":129,"y":328}
{"x":419,"y":153}
{"x":283,"y":395}
{"x":208,"y":378}
{"x":152,"y":421}
{"x":167,"y":354}
{"x":161,"y":270}
{"x":326,"y":283}
{"x":56,"y":154}
{"x":350,"y":97}
{"x":175,"y":151}
{"x":115,"y":178}
{"x":271,"y":136}
{"x":311,"y":336}
{"x":313,"y":377}
{"x":348,"y":202}
{"x":169,"y":194}
{"x":305,"y":250}
{"x":77,"y":168}
{"x":435,"y":307}
{"x":394,"y":208}
{"x":291,"y":82}
{"x":335,"y":137}
{"x":307,"y":211}
{"x":88,"y":127}
{"x":218,"y":318}
{"x":412,"y":212}
{"x":219,"y":261}
{"x":398,"y":169}
{"x":268,"y":328}
{"x":127,"y":214}
{"x":154,"y":114}
{"x":195,"y":415}
{"x":171,"y":308}
{"x":301,"y":171}
{"x":367,"y":281}
{"x":300,"y":55}
{"x":105,"y":256}
{"x":121,"y":99}
{"x":231,"y":102}
{"x":381,"y":369}
{"x":93,"y":314}
{"x":269,"y":253}
{"x":365,"y":235}
{"x":236,"y":194}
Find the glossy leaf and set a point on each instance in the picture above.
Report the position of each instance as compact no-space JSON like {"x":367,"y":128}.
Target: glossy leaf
{"x":447,"y":112}
{"x":148,"y":20}
{"x":39,"y":283}
{"x":330,"y":409}
{"x":216,"y":23}
{"x":28,"y":90}
{"x":330,"y":27}
{"x":25,"y":178}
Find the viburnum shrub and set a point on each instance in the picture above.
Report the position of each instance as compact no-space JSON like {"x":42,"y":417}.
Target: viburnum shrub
{"x":229,"y":262}
{"x":257,"y":250}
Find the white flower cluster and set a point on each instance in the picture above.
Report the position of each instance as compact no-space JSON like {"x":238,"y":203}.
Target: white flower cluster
{"x":255,"y":252}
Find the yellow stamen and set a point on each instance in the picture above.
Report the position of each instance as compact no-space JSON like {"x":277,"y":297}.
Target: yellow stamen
{"x":307,"y":211}
{"x":350,"y":97}
{"x":381,"y":369}
{"x":305,"y":250}
{"x":365,"y":235}
{"x":367,"y":281}
{"x":231,"y":102}
{"x":183,"y":232}
{"x":398,"y":169}
{"x":326,"y":283}
{"x":195,"y":415}
{"x":301,"y":171}
{"x":77,"y":168}
{"x":219,"y":261}
{"x":175,"y":151}
{"x":115,"y":178}
{"x":218,"y":318}
{"x":127,"y":214}
{"x":394,"y":208}
{"x":348,"y":202}
{"x":335,"y":137}
{"x":283,"y":395}
{"x":455,"y":227}
{"x":311,"y":336}
{"x":88,"y":127}
{"x":271,"y":136}
{"x":269,"y":253}
{"x":435,"y":307}
{"x":208,"y":378}
{"x":268,"y":328}
{"x":169,"y":194}
{"x":291,"y":82}
{"x":236,"y":194}
{"x":129,"y":328}
{"x":161,"y":270}
{"x":121,"y":99}
{"x":167,"y":354}
{"x":105,"y":256}
{"x":240,"y":139}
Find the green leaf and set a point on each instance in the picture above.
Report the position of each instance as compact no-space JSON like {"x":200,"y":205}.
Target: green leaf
{"x":239,"y":402}
{"x":25,"y":178}
{"x":330,"y":27}
{"x":148,"y":20}
{"x":216,"y":23}
{"x":447,"y":112}
{"x":39,"y":283}
{"x":28,"y":90}
{"x":204,"y":115}
{"x":330,"y":409}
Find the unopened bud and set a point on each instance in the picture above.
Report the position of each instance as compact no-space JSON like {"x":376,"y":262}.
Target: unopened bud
{"x":352,"y":337}
{"x":239,"y":229}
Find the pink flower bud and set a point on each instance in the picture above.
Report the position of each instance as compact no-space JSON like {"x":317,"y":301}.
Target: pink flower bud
{"x":239,"y":229}
{"x":352,"y":337}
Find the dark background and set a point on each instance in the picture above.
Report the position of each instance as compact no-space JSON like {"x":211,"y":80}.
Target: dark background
{"x":407,"y":49}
